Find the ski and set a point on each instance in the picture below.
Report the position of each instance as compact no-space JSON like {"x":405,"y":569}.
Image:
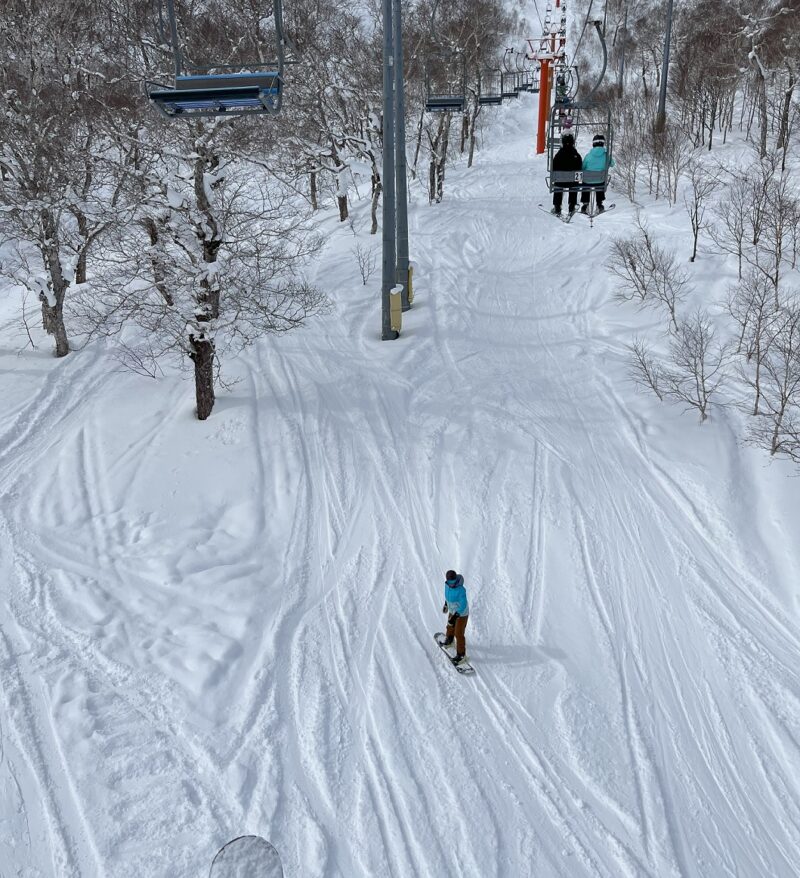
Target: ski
{"x":463,"y":667}
{"x":565,"y":218}
{"x":592,"y":216}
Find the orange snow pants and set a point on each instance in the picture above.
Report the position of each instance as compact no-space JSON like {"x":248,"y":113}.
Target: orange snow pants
{"x":456,"y":628}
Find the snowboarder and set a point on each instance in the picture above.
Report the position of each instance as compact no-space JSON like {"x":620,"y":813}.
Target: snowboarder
{"x":566,"y":159}
{"x":562,"y":89}
{"x":455,"y":603}
{"x":596,"y":160}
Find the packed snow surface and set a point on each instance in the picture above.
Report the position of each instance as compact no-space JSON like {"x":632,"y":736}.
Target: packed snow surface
{"x":225,"y":628}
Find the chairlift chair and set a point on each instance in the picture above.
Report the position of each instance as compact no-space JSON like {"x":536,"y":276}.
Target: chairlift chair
{"x":525,"y":68}
{"x":522,"y":84}
{"x":240,"y":89}
{"x":509,"y":85}
{"x":446,"y":81}
{"x":510,"y":77}
{"x":585,"y":118}
{"x":490,"y":87}
{"x":567,"y":82}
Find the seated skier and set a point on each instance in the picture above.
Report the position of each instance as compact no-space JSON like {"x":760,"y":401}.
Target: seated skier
{"x":455,"y":602}
{"x":566,"y":159}
{"x":596,"y":160}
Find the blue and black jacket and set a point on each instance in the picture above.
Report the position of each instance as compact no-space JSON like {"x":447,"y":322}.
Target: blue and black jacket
{"x":456,"y":597}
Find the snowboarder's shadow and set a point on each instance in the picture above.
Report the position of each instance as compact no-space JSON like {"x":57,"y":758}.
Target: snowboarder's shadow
{"x":514,"y":656}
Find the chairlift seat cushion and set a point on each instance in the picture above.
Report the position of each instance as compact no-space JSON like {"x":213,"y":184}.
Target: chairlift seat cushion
{"x":443,"y":103}
{"x":201,"y":101}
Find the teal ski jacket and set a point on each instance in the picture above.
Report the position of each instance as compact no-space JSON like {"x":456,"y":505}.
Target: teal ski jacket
{"x":596,"y":158}
{"x":456,"y":597}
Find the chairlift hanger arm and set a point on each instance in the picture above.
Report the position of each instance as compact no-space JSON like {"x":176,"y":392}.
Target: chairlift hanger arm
{"x":173,"y":32}
{"x":281,"y":40}
{"x":593,"y":92}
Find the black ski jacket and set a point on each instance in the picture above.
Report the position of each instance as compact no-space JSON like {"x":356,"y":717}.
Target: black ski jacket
{"x":567,"y":159}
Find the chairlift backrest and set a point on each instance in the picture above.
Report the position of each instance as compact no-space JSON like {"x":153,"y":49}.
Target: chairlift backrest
{"x":445,"y":81}
{"x":490,"y":87}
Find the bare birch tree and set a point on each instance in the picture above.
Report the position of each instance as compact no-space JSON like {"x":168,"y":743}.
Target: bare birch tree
{"x":779,"y":428}
{"x":697,"y":365}
{"x":648,"y":272}
{"x":702,"y":185}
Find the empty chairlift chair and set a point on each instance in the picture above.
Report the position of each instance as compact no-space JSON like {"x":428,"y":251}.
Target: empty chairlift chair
{"x":446,"y":81}
{"x":509,"y":78}
{"x":509,"y":85}
{"x":239,"y":89}
{"x":525,"y":71}
{"x":491,"y":88}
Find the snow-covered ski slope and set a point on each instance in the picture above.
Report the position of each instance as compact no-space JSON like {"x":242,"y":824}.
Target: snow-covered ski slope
{"x":211,"y":629}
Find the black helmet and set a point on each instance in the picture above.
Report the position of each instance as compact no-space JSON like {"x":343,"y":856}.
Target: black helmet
{"x":568,"y":138}
{"x":599,"y":140}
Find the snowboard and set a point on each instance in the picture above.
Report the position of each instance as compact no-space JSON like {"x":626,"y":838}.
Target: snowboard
{"x":248,"y":856}
{"x":463,"y":667}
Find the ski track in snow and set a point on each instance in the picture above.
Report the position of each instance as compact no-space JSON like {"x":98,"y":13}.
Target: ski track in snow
{"x":219,"y":628}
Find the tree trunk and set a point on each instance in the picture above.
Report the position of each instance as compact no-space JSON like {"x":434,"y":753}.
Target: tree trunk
{"x":783,"y":130}
{"x":53,"y":305}
{"x":377,"y":188}
{"x":762,"y":115}
{"x":155,"y":264}
{"x":83,"y":231}
{"x":441,"y":159}
{"x":202,"y":355}
{"x":712,"y":121}
{"x":53,"y":323}
{"x":207,"y":298}
{"x":473,"y":122}
{"x":344,"y":212}
{"x":312,"y":186}
{"x":758,"y":378}
{"x":418,"y":145}
{"x":775,"y":445}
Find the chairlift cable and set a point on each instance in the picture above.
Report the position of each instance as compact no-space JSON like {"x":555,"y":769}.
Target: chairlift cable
{"x":585,"y":24}
{"x":538,"y":15}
